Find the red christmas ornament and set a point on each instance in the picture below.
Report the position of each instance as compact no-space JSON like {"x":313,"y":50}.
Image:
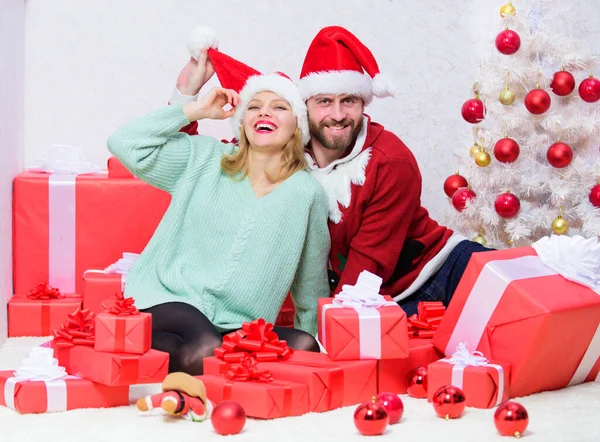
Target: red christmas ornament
{"x":559,"y":155}
{"x":449,"y":402}
{"x":460,"y":198}
{"x":508,"y":42}
{"x":507,"y":205}
{"x":511,"y":419}
{"x":563,"y":83}
{"x":228,"y":417}
{"x":417,"y":383}
{"x":473,"y":110}
{"x":595,"y":195}
{"x":393,"y":405}
{"x":537,"y":101}
{"x":506,"y":150}
{"x":453,"y":183}
{"x":371,"y":418}
{"x":589,"y":89}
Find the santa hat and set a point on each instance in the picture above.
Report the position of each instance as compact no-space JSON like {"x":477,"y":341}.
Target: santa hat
{"x":246,"y":80}
{"x":336,"y":63}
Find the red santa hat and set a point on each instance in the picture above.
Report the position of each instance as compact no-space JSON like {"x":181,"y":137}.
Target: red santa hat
{"x":338,"y":63}
{"x":247,"y":81}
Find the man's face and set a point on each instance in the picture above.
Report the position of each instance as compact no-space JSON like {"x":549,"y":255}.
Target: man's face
{"x":335,"y":120}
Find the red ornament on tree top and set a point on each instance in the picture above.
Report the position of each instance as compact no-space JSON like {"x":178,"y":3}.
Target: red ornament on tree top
{"x":508,"y":42}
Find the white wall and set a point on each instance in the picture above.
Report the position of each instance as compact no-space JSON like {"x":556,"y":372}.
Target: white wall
{"x":90,"y":68}
{"x":12,"y":49}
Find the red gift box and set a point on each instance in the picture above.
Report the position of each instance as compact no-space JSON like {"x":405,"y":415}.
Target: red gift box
{"x":485,"y":383}
{"x":116,"y":169}
{"x":114,"y":369}
{"x":65,"y":394}
{"x":513,"y":308}
{"x":330,"y":384}
{"x":99,"y":289}
{"x":393,"y":373}
{"x":362,"y":333}
{"x":38,"y":317}
{"x":265,"y":400}
{"x":123,"y":329}
{"x":64,"y":225}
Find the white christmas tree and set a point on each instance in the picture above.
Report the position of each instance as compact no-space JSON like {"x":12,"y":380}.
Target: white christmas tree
{"x":535,"y":163}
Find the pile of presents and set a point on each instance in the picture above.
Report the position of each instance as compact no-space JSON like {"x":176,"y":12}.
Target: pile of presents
{"x":523,"y":320}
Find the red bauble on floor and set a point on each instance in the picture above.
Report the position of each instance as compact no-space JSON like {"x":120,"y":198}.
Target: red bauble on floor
{"x":449,"y":402}
{"x":417,"y":383}
{"x":371,"y":418}
{"x":393,"y":405}
{"x":511,"y":419}
{"x":563,"y":83}
{"x":228,"y":417}
{"x":537,"y":101}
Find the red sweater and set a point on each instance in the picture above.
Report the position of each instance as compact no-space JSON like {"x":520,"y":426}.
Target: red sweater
{"x":384,"y":229}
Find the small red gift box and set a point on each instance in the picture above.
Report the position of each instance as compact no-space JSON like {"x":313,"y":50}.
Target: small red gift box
{"x":362,"y":333}
{"x":70,"y":393}
{"x":99,"y":289}
{"x":331,"y":384}
{"x":257,"y":391}
{"x":485,"y":383}
{"x":513,"y":308}
{"x":114,"y":369}
{"x":393,"y":373}
{"x":123,"y":329}
{"x":40,"y":311}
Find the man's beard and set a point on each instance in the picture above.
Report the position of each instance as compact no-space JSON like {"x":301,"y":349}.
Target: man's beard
{"x":317,"y":131}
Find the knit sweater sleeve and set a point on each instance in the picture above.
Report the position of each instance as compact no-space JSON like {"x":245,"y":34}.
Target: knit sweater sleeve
{"x":310,"y":282}
{"x":385,"y":221}
{"x":153,"y":149}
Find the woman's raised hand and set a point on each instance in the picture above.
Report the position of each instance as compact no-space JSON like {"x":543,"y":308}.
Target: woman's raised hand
{"x":212,"y":105}
{"x":195,"y":74}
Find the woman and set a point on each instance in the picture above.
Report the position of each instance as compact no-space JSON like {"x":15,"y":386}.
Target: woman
{"x":246,"y":223}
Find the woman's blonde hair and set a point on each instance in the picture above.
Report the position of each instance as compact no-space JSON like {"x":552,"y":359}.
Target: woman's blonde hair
{"x":292,"y":160}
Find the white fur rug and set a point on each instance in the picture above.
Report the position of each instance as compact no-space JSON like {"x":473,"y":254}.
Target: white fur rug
{"x":571,"y":414}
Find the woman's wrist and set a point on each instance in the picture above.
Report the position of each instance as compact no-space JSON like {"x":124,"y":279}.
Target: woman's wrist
{"x":194,"y":111}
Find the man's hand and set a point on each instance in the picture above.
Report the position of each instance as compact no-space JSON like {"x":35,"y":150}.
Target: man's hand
{"x":195,"y":74}
{"x":211,"y":105}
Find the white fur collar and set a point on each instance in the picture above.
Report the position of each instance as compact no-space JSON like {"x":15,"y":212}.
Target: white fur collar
{"x":338,"y":176}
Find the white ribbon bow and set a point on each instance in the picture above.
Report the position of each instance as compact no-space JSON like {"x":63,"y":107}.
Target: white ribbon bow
{"x":124,"y":264}
{"x":575,"y":258}
{"x":40,"y":365}
{"x":462,"y":356}
{"x":364,"y":294}
{"x":65,"y":159}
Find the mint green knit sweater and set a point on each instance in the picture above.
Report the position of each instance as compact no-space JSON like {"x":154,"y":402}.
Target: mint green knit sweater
{"x":219,"y":247}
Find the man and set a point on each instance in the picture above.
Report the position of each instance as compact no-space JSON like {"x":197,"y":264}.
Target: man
{"x":376,"y":220}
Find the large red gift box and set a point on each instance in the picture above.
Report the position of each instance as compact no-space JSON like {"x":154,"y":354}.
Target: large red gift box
{"x":513,"y":308}
{"x":64,"y":225}
{"x":38,"y":317}
{"x":123,"y":334}
{"x":116,"y":169}
{"x":27,"y":396}
{"x":393,"y":373}
{"x":265,"y":400}
{"x":330,"y":384}
{"x":362,"y":333}
{"x":99,"y":289}
{"x":114,"y":369}
{"x":485,"y":384}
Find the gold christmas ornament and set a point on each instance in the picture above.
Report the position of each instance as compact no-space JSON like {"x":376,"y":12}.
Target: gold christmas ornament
{"x":480,"y":239}
{"x":482,"y":158}
{"x":475,"y":149}
{"x":560,"y":226}
{"x":507,"y":97}
{"x":507,"y":10}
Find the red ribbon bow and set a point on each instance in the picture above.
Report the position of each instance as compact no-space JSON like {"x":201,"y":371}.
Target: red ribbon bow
{"x":256,"y":339}
{"x":247,"y":371}
{"x":78,"y":330}
{"x":427,"y":320}
{"x":123,"y":306}
{"x":44,"y":291}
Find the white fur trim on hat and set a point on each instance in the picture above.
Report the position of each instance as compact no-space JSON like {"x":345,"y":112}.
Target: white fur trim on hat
{"x":337,"y":82}
{"x":279,"y":85}
{"x":383,"y":86}
{"x":201,"y":38}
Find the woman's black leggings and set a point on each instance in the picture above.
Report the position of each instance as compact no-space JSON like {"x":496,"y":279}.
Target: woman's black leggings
{"x":188,"y":336}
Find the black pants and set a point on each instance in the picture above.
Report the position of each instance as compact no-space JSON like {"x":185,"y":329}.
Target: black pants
{"x":188,"y":336}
